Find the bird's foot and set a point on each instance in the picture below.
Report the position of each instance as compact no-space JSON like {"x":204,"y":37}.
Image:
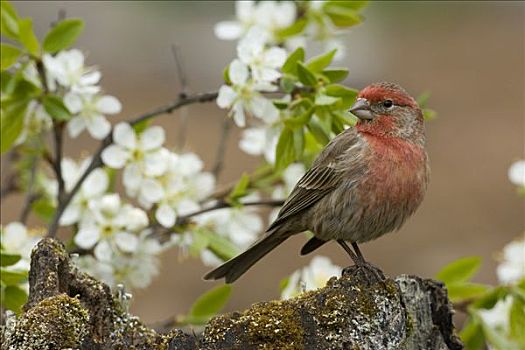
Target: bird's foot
{"x":365,"y":270}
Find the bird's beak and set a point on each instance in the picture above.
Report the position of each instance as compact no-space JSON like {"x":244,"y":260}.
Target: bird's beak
{"x":361,"y":109}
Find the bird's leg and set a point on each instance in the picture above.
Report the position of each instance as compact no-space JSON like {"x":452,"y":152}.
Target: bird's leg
{"x":356,"y":260}
{"x":358,"y":252}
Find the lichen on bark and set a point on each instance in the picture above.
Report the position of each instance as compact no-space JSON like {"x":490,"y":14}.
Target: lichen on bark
{"x":360,"y":310}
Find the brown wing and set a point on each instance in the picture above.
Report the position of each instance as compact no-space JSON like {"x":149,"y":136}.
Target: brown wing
{"x":321,"y":179}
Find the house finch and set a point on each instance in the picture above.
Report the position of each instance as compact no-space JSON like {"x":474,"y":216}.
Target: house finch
{"x":366,"y":182}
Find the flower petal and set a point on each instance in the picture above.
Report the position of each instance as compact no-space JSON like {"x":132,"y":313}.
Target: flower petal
{"x":96,"y":183}
{"x":103,"y":251}
{"x":73,"y":102}
{"x":87,"y":237}
{"x":75,"y":126}
{"x":126,"y":242}
{"x":153,"y":137}
{"x":228,"y":30}
{"x":132,"y":178}
{"x":253,"y":141}
{"x":166,"y":216}
{"x":14,"y":236}
{"x":71,"y":215}
{"x":238,"y":72}
{"x":151,"y":191}
{"x":90,"y":78}
{"x":115,"y":156}
{"x":275,"y":57}
{"x":124,"y":135}
{"x":238,"y":114}
{"x":98,"y":126}
{"x":108,"y":105}
{"x":226,"y":96}
{"x":156,"y":163}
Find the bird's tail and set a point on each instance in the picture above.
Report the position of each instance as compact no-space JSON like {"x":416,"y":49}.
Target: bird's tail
{"x":234,"y":268}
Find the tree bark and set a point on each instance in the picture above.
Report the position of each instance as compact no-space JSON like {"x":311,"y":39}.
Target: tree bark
{"x":362,"y":309}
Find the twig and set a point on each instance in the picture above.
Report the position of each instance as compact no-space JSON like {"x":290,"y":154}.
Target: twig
{"x":97,"y":160}
{"x":163,"y":233}
{"x":58,"y":133}
{"x":221,"y":149}
{"x":183,"y":85}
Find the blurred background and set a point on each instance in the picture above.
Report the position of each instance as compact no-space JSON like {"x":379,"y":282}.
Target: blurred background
{"x":469,"y":55}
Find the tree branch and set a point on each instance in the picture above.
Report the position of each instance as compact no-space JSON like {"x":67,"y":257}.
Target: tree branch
{"x":221,"y":149}
{"x":97,"y":157}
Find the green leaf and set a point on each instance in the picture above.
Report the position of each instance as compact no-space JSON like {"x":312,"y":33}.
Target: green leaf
{"x":347,"y":95}
{"x":352,"y":5}
{"x":199,"y":241}
{"x":517,"y":321}
{"x":55,"y":107}
{"x":9,"y":55}
{"x":290,"y":65}
{"x":209,"y":304}
{"x":9,"y":20}
{"x":294,"y":29}
{"x":465,"y":290}
{"x":318,"y":63}
{"x":11,"y":278}
{"x":240,"y":190}
{"x":300,"y":120}
{"x":226,"y":75}
{"x":460,"y":270}
{"x":13,"y":298}
{"x":335,"y":75}
{"x":318,"y":131}
{"x":472,"y":335}
{"x":325,"y":100}
{"x":429,"y":114}
{"x":287,"y":83}
{"x":11,"y":122}
{"x":221,"y":246}
{"x":280,"y":104}
{"x":27,"y":36}
{"x":283,"y":284}
{"x":490,"y":299}
{"x":305,"y":75}
{"x":284,"y":154}
{"x":342,"y":16}
{"x":44,"y":209}
{"x":141,"y":126}
{"x":63,"y":35}
{"x":298,"y":142}
{"x":9,"y":259}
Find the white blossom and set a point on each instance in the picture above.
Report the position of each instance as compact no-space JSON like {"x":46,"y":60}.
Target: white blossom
{"x":67,"y":69}
{"x":113,"y":222}
{"x":93,"y":187}
{"x":311,"y":277}
{"x":517,"y":173}
{"x":268,"y":16}
{"x":89,"y":111}
{"x":16,"y":239}
{"x":263,"y":62}
{"x":512,"y":268}
{"x":260,"y":141}
{"x":141,"y":155}
{"x":134,"y":268}
{"x":244,"y":95}
{"x":183,"y":185}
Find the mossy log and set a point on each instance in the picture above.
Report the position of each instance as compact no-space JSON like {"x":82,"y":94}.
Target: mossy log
{"x":360,"y":310}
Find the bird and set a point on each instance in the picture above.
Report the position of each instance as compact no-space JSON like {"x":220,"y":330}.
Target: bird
{"x":365,"y":183}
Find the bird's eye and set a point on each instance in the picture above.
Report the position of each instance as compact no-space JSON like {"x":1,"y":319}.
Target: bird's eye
{"x":388,"y":103}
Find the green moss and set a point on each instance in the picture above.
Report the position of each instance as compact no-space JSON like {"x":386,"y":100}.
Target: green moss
{"x":54,"y":323}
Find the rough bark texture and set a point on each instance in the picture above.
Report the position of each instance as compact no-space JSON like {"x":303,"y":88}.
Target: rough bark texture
{"x":360,"y":310}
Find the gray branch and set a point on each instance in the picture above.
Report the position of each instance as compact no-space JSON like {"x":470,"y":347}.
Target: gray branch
{"x":360,"y":310}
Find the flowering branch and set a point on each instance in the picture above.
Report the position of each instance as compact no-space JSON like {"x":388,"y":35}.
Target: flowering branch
{"x":97,"y":160}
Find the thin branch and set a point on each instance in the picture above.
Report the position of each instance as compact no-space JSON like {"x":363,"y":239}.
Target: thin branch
{"x":221,"y":149}
{"x":180,"y":71}
{"x":97,"y":157}
{"x":58,"y":134}
{"x":162,"y":233}
{"x":10,"y":187}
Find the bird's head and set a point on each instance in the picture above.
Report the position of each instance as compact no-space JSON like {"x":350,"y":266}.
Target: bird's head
{"x":386,"y":109}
